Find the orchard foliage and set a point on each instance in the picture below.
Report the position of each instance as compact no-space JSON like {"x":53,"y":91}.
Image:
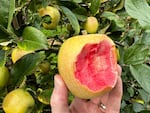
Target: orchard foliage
{"x":127,"y":22}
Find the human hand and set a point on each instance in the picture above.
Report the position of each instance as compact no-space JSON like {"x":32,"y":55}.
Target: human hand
{"x":108,"y":103}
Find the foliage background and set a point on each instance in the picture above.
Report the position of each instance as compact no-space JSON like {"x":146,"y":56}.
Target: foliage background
{"x":127,"y":22}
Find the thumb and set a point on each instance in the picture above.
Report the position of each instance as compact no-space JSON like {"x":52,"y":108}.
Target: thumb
{"x":59,"y":98}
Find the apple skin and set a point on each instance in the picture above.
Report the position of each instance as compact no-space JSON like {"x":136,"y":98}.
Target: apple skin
{"x":91,"y":25}
{"x":54,"y":15}
{"x":4,"y":76}
{"x":18,"y":101}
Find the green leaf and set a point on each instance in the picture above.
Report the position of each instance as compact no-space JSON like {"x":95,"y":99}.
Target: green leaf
{"x":137,"y":107}
{"x":59,"y":31}
{"x":136,"y":54}
{"x":95,"y":4}
{"x":103,"y":30}
{"x":80,"y":14}
{"x":139,"y":9}
{"x":141,"y":73}
{"x":6,"y":34}
{"x":131,"y":91}
{"x":25,"y":66}
{"x":45,"y":3}
{"x":114,"y":17}
{"x":72,"y":18}
{"x":7,"y":8}
{"x":44,"y":95}
{"x":146,"y":38}
{"x":4,"y":12}
{"x":11,"y":13}
{"x":114,"y":2}
{"x":3,"y":36}
{"x":77,"y":1}
{"x":2,"y":58}
{"x":145,"y":111}
{"x":33,"y":39}
{"x":119,"y":6}
{"x":144,"y":95}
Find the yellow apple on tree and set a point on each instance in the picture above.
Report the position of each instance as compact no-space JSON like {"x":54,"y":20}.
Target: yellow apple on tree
{"x":53,"y":14}
{"x":18,"y":101}
{"x":91,"y":25}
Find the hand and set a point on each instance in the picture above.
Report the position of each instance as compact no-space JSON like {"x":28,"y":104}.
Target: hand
{"x":108,"y":103}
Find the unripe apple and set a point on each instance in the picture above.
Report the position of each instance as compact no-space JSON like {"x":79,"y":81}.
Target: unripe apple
{"x":45,"y":67}
{"x":4,"y":75}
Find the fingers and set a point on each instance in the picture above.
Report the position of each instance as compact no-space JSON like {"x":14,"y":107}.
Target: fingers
{"x":115,"y":97}
{"x":111,"y":100}
{"x":76,"y":104}
{"x":83,"y":106}
{"x":119,"y":69}
{"x":117,"y":90}
{"x":59,"y":98}
{"x":103,"y":99}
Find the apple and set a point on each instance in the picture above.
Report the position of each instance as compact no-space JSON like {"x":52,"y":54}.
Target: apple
{"x":45,"y":67}
{"x":4,"y":75}
{"x":91,"y":25}
{"x":18,"y":101}
{"x":51,"y":15}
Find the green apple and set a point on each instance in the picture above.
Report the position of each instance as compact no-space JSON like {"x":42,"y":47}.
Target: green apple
{"x":18,"y":101}
{"x":4,"y":75}
{"x":45,"y":67}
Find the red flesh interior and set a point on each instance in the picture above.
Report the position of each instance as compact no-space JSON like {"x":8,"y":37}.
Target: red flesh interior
{"x":96,"y":66}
